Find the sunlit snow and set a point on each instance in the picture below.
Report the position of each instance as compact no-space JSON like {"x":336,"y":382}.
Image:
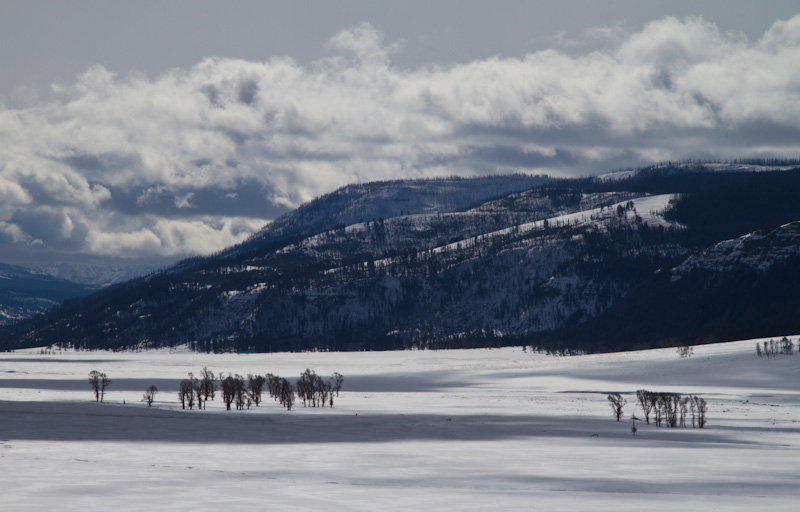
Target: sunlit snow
{"x":501,"y":429}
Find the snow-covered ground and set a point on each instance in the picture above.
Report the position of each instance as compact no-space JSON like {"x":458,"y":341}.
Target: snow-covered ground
{"x":496,"y":429}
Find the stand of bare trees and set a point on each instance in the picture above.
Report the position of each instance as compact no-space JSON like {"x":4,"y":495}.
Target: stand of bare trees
{"x":311,"y":388}
{"x":671,"y":409}
{"x":773,"y":348}
{"x":207,"y":378}
{"x":99,"y":382}
{"x":186,"y":393}
{"x":233,"y":391}
{"x":255,"y":385}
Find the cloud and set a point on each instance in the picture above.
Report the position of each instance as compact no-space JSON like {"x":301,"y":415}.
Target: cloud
{"x":165,"y":237}
{"x":196,"y":159}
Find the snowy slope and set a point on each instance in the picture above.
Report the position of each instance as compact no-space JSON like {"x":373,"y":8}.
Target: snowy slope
{"x":760,"y":251}
{"x":696,"y":167}
{"x":371,"y":201}
{"x":460,"y":263}
{"x":462,"y":430}
{"x":430,"y":275}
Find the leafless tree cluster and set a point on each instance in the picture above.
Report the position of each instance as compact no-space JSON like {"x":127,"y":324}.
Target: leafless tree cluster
{"x":255,"y":385}
{"x":209,"y":386}
{"x":241,"y":393}
{"x":313,"y":390}
{"x":233,"y":391}
{"x":281,"y":390}
{"x":773,"y":348}
{"x":186,"y":392}
{"x":99,"y":382}
{"x":671,"y":409}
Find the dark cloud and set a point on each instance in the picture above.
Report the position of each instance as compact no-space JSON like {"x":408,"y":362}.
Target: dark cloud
{"x":247,"y":199}
{"x":512,"y":156}
{"x":98,"y":165}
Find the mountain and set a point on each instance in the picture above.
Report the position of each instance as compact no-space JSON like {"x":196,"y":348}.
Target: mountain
{"x":748,"y":284}
{"x":24,"y":293}
{"x":460,"y":262}
{"x":95,"y":275}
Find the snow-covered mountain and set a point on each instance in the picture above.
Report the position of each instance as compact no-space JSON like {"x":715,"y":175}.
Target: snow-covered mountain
{"x":24,"y":293}
{"x":93,"y":274}
{"x":760,"y":251}
{"x":747,"y":284}
{"x":445,"y":263}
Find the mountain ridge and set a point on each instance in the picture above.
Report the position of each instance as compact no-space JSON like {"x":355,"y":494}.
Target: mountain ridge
{"x":453,"y":263}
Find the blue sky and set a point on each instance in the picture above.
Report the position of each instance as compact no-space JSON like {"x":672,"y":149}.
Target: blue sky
{"x":150,"y":131}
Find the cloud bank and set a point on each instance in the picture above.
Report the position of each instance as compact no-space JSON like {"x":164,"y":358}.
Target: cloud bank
{"x":197,"y":159}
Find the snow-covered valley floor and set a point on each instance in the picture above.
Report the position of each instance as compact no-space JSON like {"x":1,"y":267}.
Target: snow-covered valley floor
{"x":496,"y":429}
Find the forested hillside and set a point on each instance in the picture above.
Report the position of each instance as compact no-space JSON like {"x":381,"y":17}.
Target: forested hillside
{"x":453,"y":263}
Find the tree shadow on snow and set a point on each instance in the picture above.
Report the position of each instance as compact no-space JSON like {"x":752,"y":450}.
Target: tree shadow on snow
{"x":93,"y":422}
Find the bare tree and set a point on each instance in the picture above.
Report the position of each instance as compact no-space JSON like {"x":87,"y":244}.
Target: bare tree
{"x":228,"y":385}
{"x":240,"y":392}
{"x":787,"y":347}
{"x":305,"y":387}
{"x":617,"y":403}
{"x":150,"y":395}
{"x":209,"y":385}
{"x":322,"y":391}
{"x":286,"y":394}
{"x":684,"y":404}
{"x":99,"y":383}
{"x":655,"y":404}
{"x":699,"y":407}
{"x":198,"y":387}
{"x":186,"y":394}
{"x":645,"y":401}
{"x":338,"y":380}
{"x":104,"y":383}
{"x":94,"y":382}
{"x":255,"y":384}
{"x":274,"y":386}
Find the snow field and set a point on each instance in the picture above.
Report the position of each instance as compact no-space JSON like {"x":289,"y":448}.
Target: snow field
{"x":483,"y":429}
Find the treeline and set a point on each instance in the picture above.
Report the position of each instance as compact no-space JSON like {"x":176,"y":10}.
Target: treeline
{"x":669,"y":409}
{"x":701,"y":307}
{"x":783,"y":346}
{"x":726,"y":205}
{"x":241,"y":392}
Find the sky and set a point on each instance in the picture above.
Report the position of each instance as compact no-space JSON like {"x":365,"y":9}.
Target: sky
{"x":150,"y":131}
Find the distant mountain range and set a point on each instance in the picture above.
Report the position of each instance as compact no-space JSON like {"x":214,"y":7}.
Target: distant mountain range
{"x":24,"y":293}
{"x":664,"y":255}
{"x":27,"y":291}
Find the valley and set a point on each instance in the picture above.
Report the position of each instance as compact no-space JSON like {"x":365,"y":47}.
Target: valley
{"x":457,"y":430}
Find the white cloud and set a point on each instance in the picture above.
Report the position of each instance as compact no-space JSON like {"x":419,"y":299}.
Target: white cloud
{"x":15,"y":234}
{"x":136,"y":163}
